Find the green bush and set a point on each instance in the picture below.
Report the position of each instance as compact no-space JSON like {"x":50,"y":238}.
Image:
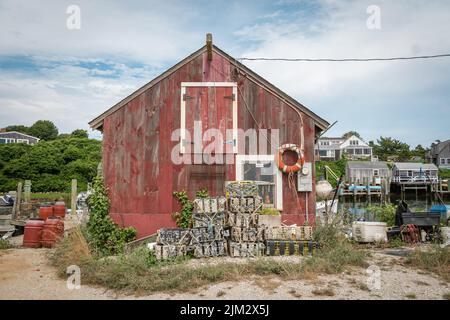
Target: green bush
{"x":184,"y":218}
{"x":104,"y":236}
{"x":50,"y":165}
{"x":270,"y":212}
{"x":384,"y":213}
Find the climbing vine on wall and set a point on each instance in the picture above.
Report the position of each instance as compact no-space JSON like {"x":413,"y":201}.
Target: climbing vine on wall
{"x":184,"y":217}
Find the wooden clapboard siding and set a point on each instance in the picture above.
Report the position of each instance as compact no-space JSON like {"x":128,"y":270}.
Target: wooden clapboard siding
{"x":137,"y":143}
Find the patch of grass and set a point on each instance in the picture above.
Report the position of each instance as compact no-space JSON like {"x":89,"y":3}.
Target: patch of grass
{"x":436,"y":260}
{"x":411,"y":296}
{"x":323,"y":292}
{"x":363,"y":286}
{"x":4,"y":244}
{"x":294,"y":293}
{"x":51,"y":196}
{"x":140,"y":272}
{"x":220,"y":293}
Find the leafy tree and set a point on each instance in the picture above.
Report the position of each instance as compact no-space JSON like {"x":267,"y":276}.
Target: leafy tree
{"x":44,"y":129}
{"x":351,"y":133}
{"x":79,"y":133}
{"x":419,"y":151}
{"x":388,"y":147}
{"x":18,"y":128}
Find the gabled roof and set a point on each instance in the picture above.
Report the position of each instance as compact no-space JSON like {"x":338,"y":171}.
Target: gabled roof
{"x":17,"y":132}
{"x":251,"y":75}
{"x":367,"y":165}
{"x":414,"y":166}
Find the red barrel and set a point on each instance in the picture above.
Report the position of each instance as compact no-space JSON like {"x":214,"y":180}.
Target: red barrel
{"x":45,"y":211}
{"x":33,"y":233}
{"x":53,"y":231}
{"x":59,"y":209}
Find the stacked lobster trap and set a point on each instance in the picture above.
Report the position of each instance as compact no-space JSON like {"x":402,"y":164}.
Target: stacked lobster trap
{"x":244,"y":204}
{"x":231,"y":226}
{"x":204,"y":239}
{"x":289,"y":240}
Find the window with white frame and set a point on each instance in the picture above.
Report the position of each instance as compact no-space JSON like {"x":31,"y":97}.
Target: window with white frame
{"x":443,"y":160}
{"x":354,"y":142}
{"x":376,"y":172}
{"x":22,"y":141}
{"x":262,"y":168}
{"x":7,"y":140}
{"x":448,"y":160}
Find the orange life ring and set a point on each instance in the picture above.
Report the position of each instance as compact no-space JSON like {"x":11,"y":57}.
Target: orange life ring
{"x":297,"y":166}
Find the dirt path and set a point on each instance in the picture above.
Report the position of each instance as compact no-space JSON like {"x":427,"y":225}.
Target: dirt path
{"x":25,"y":274}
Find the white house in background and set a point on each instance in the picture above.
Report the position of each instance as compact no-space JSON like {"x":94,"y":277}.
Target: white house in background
{"x":332,"y":149}
{"x":17,"y":137}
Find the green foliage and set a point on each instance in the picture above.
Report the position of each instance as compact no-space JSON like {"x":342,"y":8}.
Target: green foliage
{"x":50,"y":165}
{"x":103,"y":234}
{"x":184,"y":218}
{"x":444,"y":173}
{"x":44,"y":129}
{"x":387,"y":147}
{"x":384,"y":213}
{"x":18,"y":128}
{"x":338,"y":168}
{"x":4,"y":244}
{"x":436,"y":260}
{"x":269,"y":212}
{"x":351,"y":133}
{"x":79,"y":133}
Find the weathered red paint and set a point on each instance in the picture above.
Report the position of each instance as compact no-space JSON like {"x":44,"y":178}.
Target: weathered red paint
{"x":137,"y":144}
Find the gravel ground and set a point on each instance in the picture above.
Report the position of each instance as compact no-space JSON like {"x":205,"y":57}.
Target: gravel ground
{"x":25,"y":274}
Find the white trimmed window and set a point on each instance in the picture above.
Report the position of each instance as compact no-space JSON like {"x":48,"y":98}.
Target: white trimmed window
{"x":209,"y":108}
{"x":22,"y":141}
{"x":262,"y":168}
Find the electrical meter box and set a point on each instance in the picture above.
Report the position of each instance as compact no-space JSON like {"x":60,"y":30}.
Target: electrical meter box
{"x":304,"y":178}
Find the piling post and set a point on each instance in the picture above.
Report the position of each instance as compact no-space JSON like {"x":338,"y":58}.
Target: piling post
{"x":18,"y":200}
{"x":73,"y":202}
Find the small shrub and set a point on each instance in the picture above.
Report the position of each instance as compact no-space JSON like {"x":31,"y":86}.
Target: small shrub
{"x":436,"y":260}
{"x":384,"y":213}
{"x":4,"y":244}
{"x":220,"y":293}
{"x":270,"y":212}
{"x":411,"y":296}
{"x":446,"y":296}
{"x":104,"y":235}
{"x":183,"y":219}
{"x":323,"y":292}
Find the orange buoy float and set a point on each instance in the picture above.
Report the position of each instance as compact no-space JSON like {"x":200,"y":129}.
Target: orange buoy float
{"x":295,"y":167}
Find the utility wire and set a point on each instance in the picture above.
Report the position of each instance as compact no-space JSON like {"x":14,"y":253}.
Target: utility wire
{"x":346,"y":59}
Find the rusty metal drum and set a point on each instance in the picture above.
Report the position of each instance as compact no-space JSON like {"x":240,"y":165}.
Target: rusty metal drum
{"x":33,"y":233}
{"x":53,"y":231}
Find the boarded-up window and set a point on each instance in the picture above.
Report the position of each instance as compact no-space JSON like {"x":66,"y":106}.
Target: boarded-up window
{"x":208,"y":117}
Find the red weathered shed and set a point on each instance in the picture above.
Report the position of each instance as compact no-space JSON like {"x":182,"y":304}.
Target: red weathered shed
{"x":140,"y":140}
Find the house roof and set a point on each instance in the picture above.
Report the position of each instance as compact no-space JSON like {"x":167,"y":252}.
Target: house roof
{"x":251,"y":75}
{"x":367,"y":165}
{"x":414,"y":166}
{"x":17,"y":132}
{"x":331,"y":138}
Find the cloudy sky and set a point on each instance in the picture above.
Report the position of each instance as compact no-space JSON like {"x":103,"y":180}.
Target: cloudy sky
{"x":69,"y":76}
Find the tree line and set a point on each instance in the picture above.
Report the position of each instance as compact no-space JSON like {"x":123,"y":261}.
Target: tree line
{"x":53,"y":162}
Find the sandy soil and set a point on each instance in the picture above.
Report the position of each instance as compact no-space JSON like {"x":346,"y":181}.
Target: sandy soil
{"x":25,"y":274}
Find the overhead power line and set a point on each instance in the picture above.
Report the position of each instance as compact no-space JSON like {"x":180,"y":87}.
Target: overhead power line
{"x":346,"y":59}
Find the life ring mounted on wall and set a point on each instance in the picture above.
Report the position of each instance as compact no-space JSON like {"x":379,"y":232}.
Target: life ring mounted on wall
{"x":300,"y":158}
